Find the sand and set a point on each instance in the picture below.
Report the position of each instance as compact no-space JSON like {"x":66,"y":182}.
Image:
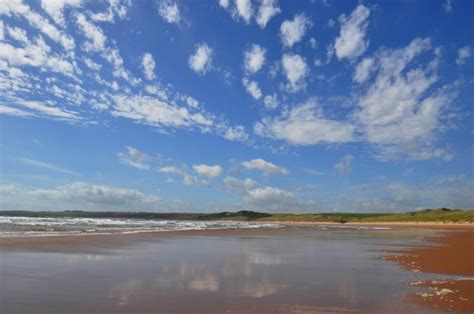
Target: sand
{"x":298,"y":269}
{"x":449,"y":253}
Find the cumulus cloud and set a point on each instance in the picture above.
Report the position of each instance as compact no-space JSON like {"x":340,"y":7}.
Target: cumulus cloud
{"x":344,"y":166}
{"x":83,"y":196}
{"x":293,"y":31}
{"x":401,"y":112}
{"x":252,"y":88}
{"x":464,"y":53}
{"x":95,"y":36}
{"x":267,"y":10}
{"x":351,"y":41}
{"x":224,"y":3}
{"x":173,"y":170}
{"x":254,"y":58}
{"x":244,"y":9}
{"x":169,"y":11}
{"x":296,"y":70}
{"x":134,"y":158}
{"x":236,"y":133}
{"x":148,"y":66}
{"x":305,"y":124}
{"x":240,"y":186}
{"x":116,"y":8}
{"x":18,"y":34}
{"x":270,"y":197}
{"x":267,"y":198}
{"x":363,"y":70}
{"x":208,"y":171}
{"x":266,"y":167}
{"x":201,"y":61}
{"x":271,"y":101}
{"x":55,"y":8}
{"x":35,"y":54}
{"x":19,"y":9}
{"x":92,"y":65}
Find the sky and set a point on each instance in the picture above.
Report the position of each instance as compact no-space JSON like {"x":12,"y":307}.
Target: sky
{"x":223,"y":105}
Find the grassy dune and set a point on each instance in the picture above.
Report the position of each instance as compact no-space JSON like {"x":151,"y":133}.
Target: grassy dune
{"x":427,"y":215}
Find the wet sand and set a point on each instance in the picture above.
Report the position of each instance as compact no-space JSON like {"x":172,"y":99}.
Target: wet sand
{"x":450,"y":253}
{"x":298,"y":269}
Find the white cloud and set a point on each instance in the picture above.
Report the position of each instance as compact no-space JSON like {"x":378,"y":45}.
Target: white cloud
{"x":344,"y":166}
{"x":37,"y":54}
{"x":267,"y":198}
{"x":244,"y":9}
{"x":134,"y":158}
{"x":98,"y":195}
{"x":240,"y":186}
{"x":169,"y":11}
{"x":273,"y":199}
{"x":236,"y":133}
{"x":92,"y":65}
{"x":172,"y":170}
{"x":208,"y":171}
{"x":49,"y":111}
{"x":267,"y":168}
{"x":201,"y":61}
{"x":95,"y":35}
{"x":401,"y":111}
{"x":14,"y":112}
{"x":18,"y":34}
{"x":313,"y":43}
{"x":448,"y":6}
{"x":148,"y":65}
{"x":267,"y":10}
{"x":363,"y":70}
{"x":193,"y":103}
{"x":305,"y":124}
{"x":351,"y":42}
{"x":254,"y":58}
{"x":152,"y":111}
{"x":18,"y":8}
{"x":47,"y":166}
{"x":464,"y":53}
{"x":55,"y":8}
{"x":267,"y":193}
{"x":252,"y":88}
{"x":224,"y":3}
{"x":292,"y":31}
{"x":295,"y":70}
{"x":116,"y":8}
{"x":271,"y":101}
{"x":190,"y":180}
{"x":2,"y":30}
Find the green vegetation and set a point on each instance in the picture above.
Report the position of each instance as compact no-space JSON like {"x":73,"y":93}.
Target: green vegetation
{"x":426,"y":215}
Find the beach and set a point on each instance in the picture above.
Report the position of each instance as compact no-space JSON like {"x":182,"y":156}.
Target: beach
{"x":291,"y":269}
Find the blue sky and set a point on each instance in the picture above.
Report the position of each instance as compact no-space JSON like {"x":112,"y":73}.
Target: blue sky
{"x":226,"y":105}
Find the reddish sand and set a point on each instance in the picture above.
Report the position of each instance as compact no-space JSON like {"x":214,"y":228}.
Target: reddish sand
{"x":452,"y":254}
